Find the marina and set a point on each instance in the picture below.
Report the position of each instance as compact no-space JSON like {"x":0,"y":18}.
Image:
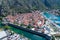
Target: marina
{"x":55,"y":19}
{"x":35,"y":25}
{"x":29,"y":19}
{"x":23,"y":31}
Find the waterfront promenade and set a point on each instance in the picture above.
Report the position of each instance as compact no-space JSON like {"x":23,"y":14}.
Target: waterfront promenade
{"x":52,"y":33}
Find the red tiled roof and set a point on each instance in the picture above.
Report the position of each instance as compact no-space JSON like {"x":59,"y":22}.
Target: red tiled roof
{"x":25,"y":18}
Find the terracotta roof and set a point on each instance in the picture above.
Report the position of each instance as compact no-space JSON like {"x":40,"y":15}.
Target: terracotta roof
{"x":27,"y":17}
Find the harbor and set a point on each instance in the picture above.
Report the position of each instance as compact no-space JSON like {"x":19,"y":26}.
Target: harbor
{"x":35,"y":23}
{"x":36,"y":35}
{"x":29,"y":19}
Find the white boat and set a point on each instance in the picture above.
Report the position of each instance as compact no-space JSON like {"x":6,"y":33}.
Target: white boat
{"x":58,"y":22}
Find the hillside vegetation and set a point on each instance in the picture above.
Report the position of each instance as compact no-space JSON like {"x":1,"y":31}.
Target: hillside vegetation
{"x":22,"y":6}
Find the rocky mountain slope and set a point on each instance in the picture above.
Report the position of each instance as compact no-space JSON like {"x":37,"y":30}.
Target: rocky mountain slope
{"x":22,"y":6}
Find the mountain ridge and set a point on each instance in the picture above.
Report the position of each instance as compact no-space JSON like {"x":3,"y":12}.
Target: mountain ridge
{"x":22,"y":6}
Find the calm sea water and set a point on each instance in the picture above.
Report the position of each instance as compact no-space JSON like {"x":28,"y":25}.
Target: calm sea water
{"x":52,"y":17}
{"x":26,"y":34}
